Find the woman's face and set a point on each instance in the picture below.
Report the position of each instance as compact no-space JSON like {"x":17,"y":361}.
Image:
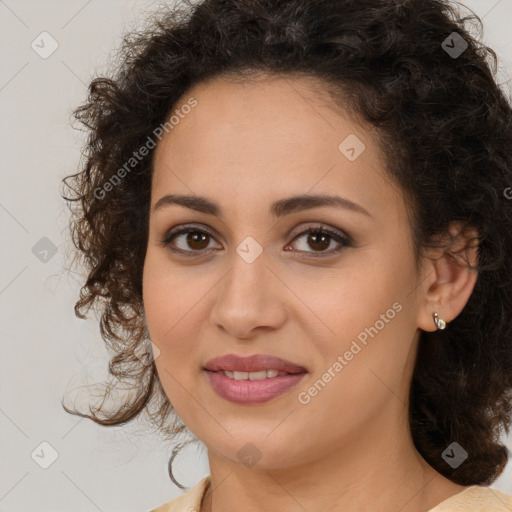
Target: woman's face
{"x":259,"y":283}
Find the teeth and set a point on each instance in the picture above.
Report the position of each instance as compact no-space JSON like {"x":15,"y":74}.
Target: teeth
{"x":263,"y":374}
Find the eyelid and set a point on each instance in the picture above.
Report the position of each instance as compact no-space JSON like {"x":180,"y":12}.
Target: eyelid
{"x":318,"y":226}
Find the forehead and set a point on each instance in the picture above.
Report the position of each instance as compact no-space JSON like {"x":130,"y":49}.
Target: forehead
{"x":274,"y":113}
{"x":270,"y":137}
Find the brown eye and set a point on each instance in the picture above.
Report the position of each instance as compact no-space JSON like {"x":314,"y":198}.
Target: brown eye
{"x":196,"y":240}
{"x":320,"y":239}
{"x":187,"y":239}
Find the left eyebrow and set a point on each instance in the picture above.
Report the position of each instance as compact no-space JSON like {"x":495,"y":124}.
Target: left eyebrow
{"x":278,"y":209}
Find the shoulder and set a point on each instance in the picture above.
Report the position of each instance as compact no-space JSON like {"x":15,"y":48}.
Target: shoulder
{"x":476,"y":498}
{"x":189,"y":501}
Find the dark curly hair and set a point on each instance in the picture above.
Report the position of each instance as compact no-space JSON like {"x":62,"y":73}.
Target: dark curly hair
{"x":445,"y":129}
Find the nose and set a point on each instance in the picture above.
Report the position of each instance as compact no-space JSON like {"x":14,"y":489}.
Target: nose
{"x":250,"y":298}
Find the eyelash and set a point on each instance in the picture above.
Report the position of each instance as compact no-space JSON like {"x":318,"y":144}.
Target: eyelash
{"x":342,"y":239}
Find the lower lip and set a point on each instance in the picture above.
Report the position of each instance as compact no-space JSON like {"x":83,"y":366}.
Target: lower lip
{"x":252,"y":391}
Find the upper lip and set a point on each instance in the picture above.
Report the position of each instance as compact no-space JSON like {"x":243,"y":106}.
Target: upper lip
{"x":254,"y":363}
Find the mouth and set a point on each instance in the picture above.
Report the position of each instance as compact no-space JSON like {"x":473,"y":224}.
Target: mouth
{"x":253,"y":379}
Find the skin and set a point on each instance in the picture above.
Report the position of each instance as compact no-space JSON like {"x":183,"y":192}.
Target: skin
{"x":246,"y":146}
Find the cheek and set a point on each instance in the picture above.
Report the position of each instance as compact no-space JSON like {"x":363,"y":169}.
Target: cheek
{"x":168,"y":324}
{"x":366,"y":350}
{"x":357,"y":304}
{"x":166,"y":303}
{"x":169,"y":296}
{"x":359,"y":381}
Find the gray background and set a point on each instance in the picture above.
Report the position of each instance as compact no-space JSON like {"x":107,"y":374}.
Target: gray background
{"x":46,"y":352}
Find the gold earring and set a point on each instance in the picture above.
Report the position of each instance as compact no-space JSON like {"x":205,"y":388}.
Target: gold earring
{"x":440,"y":323}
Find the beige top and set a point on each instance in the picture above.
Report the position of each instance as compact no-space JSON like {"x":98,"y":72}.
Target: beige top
{"x":475,"y":498}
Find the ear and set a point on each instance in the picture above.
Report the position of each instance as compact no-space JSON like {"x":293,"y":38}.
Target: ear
{"x":450,"y":281}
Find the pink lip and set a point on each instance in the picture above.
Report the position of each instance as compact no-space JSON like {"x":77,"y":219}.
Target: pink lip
{"x":254,"y":363}
{"x":252,"y":391}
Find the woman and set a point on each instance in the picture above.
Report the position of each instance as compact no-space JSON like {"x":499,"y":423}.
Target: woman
{"x":305,"y":206}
